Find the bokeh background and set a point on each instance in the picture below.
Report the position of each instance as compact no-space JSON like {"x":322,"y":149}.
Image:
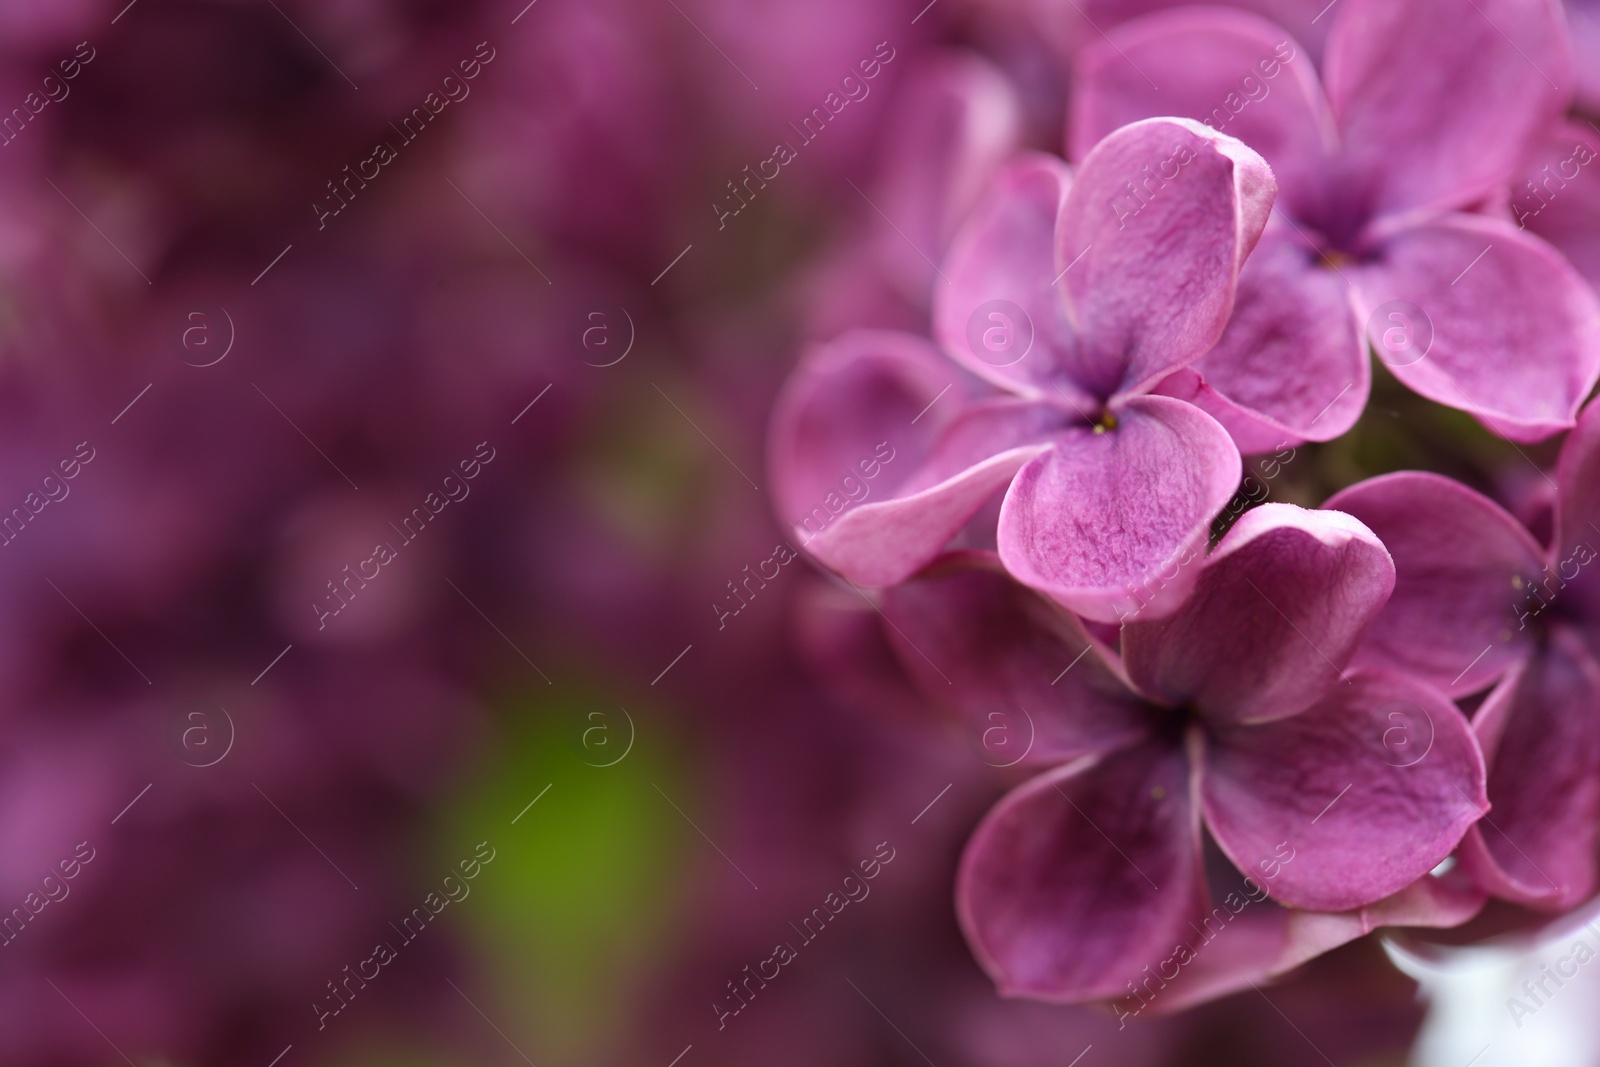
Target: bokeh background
{"x":569,"y":725}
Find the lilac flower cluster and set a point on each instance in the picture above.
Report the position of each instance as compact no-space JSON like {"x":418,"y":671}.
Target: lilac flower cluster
{"x":1390,"y":702}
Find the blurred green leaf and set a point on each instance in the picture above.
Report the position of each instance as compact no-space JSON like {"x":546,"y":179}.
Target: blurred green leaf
{"x":578,"y":897}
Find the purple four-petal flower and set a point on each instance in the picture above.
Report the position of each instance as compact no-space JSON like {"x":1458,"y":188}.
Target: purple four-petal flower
{"x":1234,"y":716}
{"x":1064,"y":314}
{"x":1478,"y":600}
{"x":1424,"y":111}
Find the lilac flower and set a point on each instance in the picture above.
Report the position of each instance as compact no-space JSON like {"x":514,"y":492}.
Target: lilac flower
{"x":1232,"y":716}
{"x":1478,"y":600}
{"x":1424,"y":110}
{"x":1073,"y":313}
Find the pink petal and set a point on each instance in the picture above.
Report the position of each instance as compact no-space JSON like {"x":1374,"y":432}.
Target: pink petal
{"x":1457,"y":616}
{"x":1031,"y":683}
{"x":1540,"y":731}
{"x":1434,"y":901}
{"x":1084,"y":875}
{"x":1001,"y":315}
{"x":1583,"y":24}
{"x":1577,"y":518}
{"x":1291,"y":365}
{"x":1276,"y":613}
{"x":1238,"y":941}
{"x":842,"y":401}
{"x":1246,"y":940}
{"x":1418,"y":128}
{"x":1513,"y":326}
{"x":878,"y":459}
{"x":1103,"y":522}
{"x":977,"y":454}
{"x":956,"y":119}
{"x":1557,"y":196}
{"x":1235,"y":72}
{"x":1158,"y":223}
{"x":1084,"y":22}
{"x":1359,"y":819}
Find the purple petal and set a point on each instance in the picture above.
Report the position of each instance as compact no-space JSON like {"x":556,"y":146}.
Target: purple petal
{"x":1080,"y":23}
{"x":1558,"y":195}
{"x":1001,"y":314}
{"x":977,"y":454}
{"x":1489,"y":296}
{"x":1540,"y":731}
{"x":1239,"y":941}
{"x":1103,"y":521}
{"x":1235,"y":72}
{"x":1422,"y":134}
{"x":1291,"y":365}
{"x":1577,"y":512}
{"x":1265,"y":940}
{"x":1276,"y":613}
{"x":1358,"y":816}
{"x":1031,"y":683}
{"x":1159,"y":220}
{"x":1084,"y":875}
{"x":1434,"y":901}
{"x":1583,"y":24}
{"x":877,"y":467}
{"x":846,"y":397}
{"x":1457,"y":616}
{"x":957,"y":119}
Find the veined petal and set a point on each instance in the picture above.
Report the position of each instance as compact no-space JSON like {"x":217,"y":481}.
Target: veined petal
{"x":1540,"y":730}
{"x":1158,"y":223}
{"x":1421,"y":134}
{"x":1464,"y":571}
{"x":1360,"y":817}
{"x":1577,"y":513}
{"x":1033,"y":686}
{"x":879,"y":456}
{"x":1292,"y":365}
{"x":977,"y":454}
{"x":1434,"y":901}
{"x":845,"y":398}
{"x":1001,"y":314}
{"x":1276,"y":613}
{"x":1515,"y":332}
{"x":1105,"y":523}
{"x":1236,"y":72}
{"x":1084,"y":875}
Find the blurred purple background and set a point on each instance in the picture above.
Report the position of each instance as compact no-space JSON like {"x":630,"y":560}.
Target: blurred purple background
{"x":411,"y":362}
